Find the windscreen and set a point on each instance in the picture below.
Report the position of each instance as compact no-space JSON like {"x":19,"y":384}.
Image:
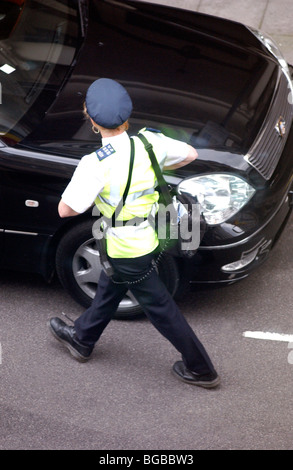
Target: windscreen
{"x":38,"y":41}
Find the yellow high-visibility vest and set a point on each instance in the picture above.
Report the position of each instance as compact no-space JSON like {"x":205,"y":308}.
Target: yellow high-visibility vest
{"x":134,"y":240}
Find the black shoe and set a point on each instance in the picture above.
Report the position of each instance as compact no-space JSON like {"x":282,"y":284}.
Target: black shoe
{"x":67,"y":335}
{"x":207,"y":381}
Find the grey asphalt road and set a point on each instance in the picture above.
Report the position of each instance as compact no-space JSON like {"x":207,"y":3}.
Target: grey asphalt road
{"x":126,"y":397}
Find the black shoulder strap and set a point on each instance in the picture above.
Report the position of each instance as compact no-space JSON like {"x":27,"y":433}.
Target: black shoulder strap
{"x":125,"y":193}
{"x":162,"y":183}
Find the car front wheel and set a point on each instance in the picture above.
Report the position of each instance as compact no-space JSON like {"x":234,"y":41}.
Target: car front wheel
{"x":78,"y":267}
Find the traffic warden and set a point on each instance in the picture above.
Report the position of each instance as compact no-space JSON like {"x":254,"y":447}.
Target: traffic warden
{"x":100,"y":178}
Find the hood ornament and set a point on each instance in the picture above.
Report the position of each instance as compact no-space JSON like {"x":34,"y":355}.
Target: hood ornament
{"x":281,"y":126}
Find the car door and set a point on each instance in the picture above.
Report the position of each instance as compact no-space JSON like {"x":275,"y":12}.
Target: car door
{"x":30,"y":186}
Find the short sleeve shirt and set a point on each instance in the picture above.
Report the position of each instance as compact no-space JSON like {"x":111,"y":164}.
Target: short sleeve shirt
{"x":88,"y":179}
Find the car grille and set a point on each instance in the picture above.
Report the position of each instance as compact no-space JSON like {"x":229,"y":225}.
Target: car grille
{"x":265,"y":154}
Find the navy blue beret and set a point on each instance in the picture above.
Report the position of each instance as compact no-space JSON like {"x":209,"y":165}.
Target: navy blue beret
{"x":108,"y":103}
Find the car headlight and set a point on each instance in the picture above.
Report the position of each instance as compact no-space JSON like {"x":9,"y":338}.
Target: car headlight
{"x":220,"y":195}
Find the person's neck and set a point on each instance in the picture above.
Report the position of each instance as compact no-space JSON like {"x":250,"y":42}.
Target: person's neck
{"x":111,"y":132}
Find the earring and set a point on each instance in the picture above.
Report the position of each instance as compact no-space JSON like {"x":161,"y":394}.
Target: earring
{"x":95,"y":130}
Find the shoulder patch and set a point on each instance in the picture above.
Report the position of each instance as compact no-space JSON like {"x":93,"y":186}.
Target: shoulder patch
{"x":105,"y":152}
{"x":152,"y":130}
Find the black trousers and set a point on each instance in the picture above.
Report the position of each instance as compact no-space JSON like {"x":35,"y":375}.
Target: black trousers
{"x":155,"y":300}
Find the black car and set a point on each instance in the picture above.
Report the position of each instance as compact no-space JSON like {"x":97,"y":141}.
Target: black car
{"x":213,"y":83}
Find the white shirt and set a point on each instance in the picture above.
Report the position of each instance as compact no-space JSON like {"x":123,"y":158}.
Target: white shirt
{"x":89,"y":177}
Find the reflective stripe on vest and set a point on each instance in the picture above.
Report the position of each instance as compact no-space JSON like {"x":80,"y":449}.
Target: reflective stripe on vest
{"x":130,"y":198}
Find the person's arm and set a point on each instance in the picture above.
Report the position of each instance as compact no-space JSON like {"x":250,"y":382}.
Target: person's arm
{"x":192,"y":155}
{"x":83,"y":188}
{"x":66,"y":211}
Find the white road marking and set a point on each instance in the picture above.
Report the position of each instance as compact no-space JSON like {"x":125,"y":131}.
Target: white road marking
{"x":268,"y":336}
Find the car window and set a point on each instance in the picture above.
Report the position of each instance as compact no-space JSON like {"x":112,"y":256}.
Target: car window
{"x":38,"y":43}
